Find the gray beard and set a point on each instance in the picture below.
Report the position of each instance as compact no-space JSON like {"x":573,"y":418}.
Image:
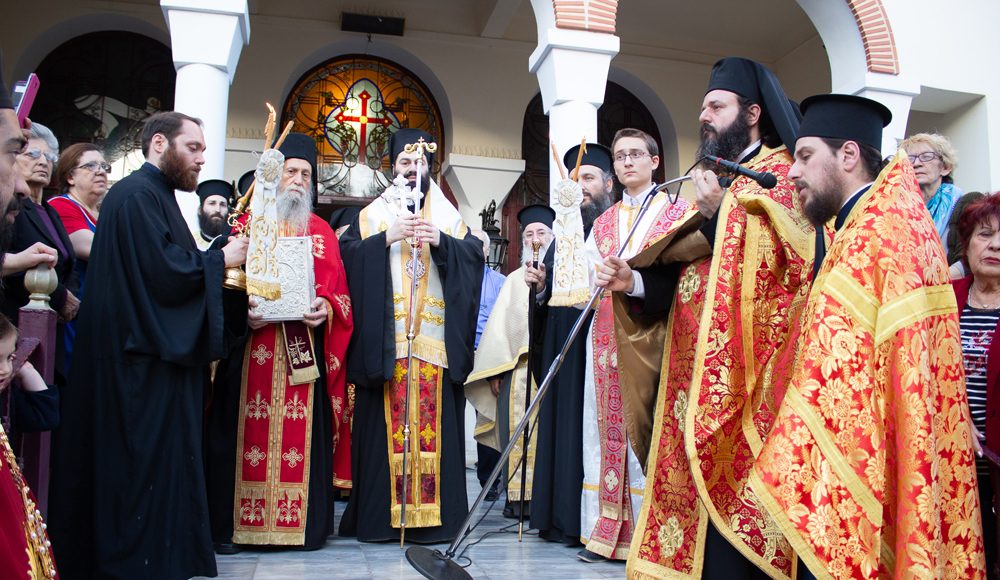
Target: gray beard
{"x":295,"y":210}
{"x":527,"y":253}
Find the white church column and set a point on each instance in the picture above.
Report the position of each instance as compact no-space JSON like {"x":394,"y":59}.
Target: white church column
{"x":476,"y":181}
{"x":207,"y":37}
{"x":572,"y":70}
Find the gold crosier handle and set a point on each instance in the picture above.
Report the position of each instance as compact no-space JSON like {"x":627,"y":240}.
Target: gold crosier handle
{"x":235,"y":277}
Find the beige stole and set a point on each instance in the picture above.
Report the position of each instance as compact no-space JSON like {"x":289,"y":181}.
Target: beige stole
{"x":503,"y":348}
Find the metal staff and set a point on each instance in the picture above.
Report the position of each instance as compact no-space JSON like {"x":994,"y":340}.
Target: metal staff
{"x":535,"y":247}
{"x":434,"y":563}
{"x":419,"y":147}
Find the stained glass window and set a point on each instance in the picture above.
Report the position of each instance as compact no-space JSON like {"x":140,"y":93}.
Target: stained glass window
{"x":352,"y":105}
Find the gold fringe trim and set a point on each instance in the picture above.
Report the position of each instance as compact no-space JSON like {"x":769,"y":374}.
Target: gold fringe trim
{"x":572,"y":298}
{"x":422,"y":516}
{"x":428,"y":462}
{"x":425,"y":349}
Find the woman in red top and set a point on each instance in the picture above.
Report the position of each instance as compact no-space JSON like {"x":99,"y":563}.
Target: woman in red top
{"x":82,"y":179}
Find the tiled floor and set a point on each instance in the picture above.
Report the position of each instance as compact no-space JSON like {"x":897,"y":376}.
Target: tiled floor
{"x":498,"y":556}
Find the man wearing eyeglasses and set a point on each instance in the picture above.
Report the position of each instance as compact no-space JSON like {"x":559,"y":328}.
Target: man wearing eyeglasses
{"x":613,"y":457}
{"x":13,"y":188}
{"x":728,"y":351}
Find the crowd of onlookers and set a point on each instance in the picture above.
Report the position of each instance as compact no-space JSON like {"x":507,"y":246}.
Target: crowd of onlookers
{"x":57,"y":206}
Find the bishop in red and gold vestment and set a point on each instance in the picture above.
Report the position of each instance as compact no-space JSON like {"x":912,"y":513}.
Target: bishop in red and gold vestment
{"x":728,"y":335}
{"x":868,"y":470}
{"x":279,"y":426}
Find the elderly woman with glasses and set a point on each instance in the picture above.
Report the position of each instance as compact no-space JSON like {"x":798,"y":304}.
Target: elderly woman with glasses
{"x":978,"y":298}
{"x":38,"y":222}
{"x":82,"y":181}
{"x":934,"y":161}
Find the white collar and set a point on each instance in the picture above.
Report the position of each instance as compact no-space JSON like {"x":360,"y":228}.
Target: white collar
{"x":856,"y":193}
{"x":747,"y":151}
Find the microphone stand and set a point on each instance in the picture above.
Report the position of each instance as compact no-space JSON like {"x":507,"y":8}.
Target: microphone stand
{"x":439,"y":565}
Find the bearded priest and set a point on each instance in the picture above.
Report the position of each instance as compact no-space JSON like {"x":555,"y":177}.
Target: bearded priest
{"x":277,"y":419}
{"x":128,"y":485}
{"x":868,"y":470}
{"x":496,"y":387}
{"x":379,"y":249}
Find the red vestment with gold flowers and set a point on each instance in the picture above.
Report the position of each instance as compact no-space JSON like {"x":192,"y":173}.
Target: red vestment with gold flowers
{"x":725,"y":360}
{"x":278,"y":406}
{"x":868,"y":469}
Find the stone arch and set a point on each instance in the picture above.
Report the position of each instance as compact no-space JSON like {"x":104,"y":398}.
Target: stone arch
{"x":60,"y":33}
{"x":858,"y":40}
{"x":876,"y":34}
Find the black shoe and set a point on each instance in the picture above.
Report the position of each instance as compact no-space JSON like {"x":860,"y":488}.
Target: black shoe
{"x":494,"y":493}
{"x":513,"y":510}
{"x":227,"y":549}
{"x":590,"y":557}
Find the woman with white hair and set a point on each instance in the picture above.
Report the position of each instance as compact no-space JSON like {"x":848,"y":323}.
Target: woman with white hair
{"x":37,"y":222}
{"x":934,"y":161}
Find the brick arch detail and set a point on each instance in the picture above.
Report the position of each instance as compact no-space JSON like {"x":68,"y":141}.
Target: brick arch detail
{"x":876,"y":35}
{"x":870,"y":16}
{"x":589,"y":15}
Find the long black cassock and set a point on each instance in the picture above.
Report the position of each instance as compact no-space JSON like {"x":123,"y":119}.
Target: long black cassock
{"x":558,"y":474}
{"x":128,"y":486}
{"x":371,"y":362}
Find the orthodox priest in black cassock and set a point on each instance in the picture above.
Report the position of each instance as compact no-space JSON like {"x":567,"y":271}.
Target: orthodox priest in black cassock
{"x":558,"y":473}
{"x":449,"y":279}
{"x":128,"y":486}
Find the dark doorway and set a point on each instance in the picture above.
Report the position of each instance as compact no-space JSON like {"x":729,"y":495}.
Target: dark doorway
{"x":620,"y":109}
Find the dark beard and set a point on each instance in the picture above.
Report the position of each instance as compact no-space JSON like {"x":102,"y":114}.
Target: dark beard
{"x":824,"y":204}
{"x":425,"y":183}
{"x":727,"y":143}
{"x":594,"y":209}
{"x":177,"y":172}
{"x":210,"y":226}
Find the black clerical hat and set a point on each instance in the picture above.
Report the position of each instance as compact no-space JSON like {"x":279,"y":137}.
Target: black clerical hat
{"x":405,"y":137}
{"x":210,"y":187}
{"x":844,"y":117}
{"x":301,"y":146}
{"x":757,"y":83}
{"x":596,"y":154}
{"x":244,"y":182}
{"x":538,"y":213}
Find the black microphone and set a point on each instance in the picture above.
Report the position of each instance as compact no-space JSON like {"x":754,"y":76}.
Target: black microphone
{"x":764,"y":179}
